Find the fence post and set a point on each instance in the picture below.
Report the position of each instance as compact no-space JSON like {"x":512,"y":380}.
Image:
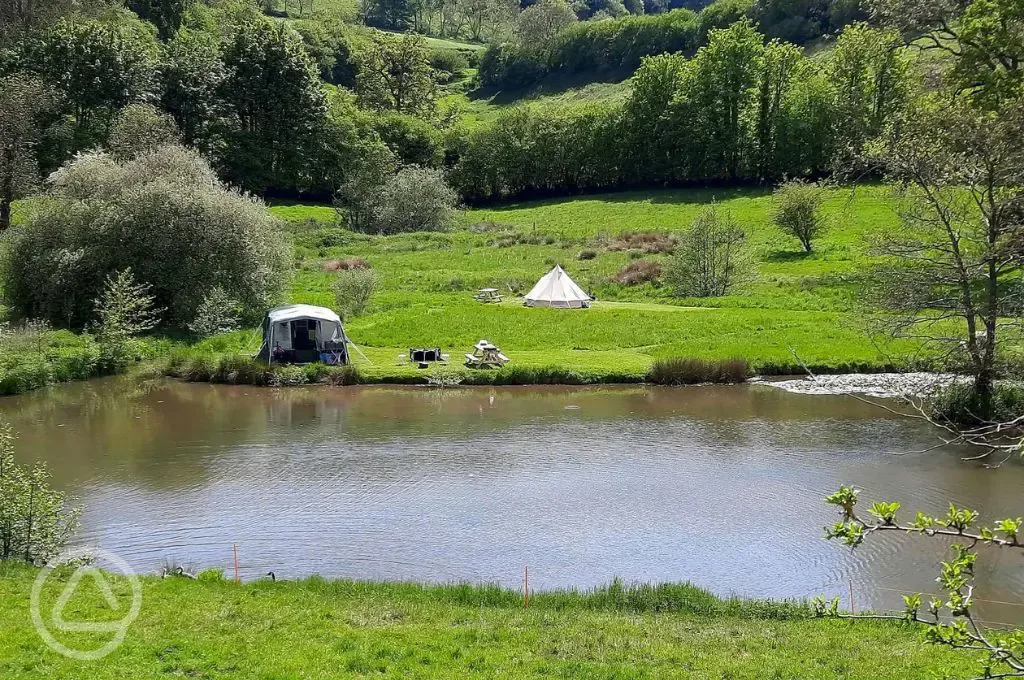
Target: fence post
{"x":526,"y":586}
{"x":237,"y":580}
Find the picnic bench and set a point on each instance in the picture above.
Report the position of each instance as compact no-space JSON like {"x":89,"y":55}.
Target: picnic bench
{"x":486,"y":355}
{"x":488,"y":295}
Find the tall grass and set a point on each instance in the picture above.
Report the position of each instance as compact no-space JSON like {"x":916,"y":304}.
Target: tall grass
{"x":680,"y":371}
{"x":237,"y":370}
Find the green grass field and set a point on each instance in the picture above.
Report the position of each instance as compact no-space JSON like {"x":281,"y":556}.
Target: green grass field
{"x":314,"y":628}
{"x":790,"y":301}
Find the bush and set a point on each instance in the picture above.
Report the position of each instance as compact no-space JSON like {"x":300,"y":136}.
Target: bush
{"x":35,"y":520}
{"x":345,"y":265}
{"x":353,"y":290}
{"x":587,"y":255}
{"x":641,"y":271}
{"x":708,"y":260}
{"x":217,"y":313}
{"x":678,"y":371}
{"x":413,"y":140}
{"x":450,"y":62}
{"x":415,"y":199}
{"x":650,"y":242}
{"x":165,"y":215}
{"x":960,"y":405}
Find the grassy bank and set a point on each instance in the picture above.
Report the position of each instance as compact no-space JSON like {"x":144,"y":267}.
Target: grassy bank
{"x":325,"y":629}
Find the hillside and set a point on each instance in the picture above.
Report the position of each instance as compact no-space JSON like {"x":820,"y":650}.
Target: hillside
{"x":789,"y":300}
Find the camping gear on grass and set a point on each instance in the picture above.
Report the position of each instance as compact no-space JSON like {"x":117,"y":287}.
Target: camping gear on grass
{"x":303,"y":334}
{"x":556,"y":289}
{"x":419,"y":355}
{"x":486,"y":355}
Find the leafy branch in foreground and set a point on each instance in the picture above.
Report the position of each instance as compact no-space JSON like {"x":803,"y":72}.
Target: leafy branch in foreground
{"x":1003,"y":650}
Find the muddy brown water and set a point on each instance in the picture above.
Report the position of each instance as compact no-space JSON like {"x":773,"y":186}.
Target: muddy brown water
{"x":720,"y":486}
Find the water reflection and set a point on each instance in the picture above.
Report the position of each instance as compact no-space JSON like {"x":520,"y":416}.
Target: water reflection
{"x":722,"y":486}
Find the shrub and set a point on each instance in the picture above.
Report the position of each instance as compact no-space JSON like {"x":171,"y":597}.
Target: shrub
{"x":587,"y":255}
{"x":413,"y":140}
{"x":345,"y":265}
{"x":650,"y":242}
{"x":353,"y":290}
{"x":415,"y":199}
{"x":679,"y":371}
{"x":960,"y":405}
{"x":165,"y":215}
{"x":640,"y":271}
{"x":797,"y":211}
{"x":217,"y":313}
{"x":708,"y":260}
{"x":35,"y":520}
{"x":449,"y":62}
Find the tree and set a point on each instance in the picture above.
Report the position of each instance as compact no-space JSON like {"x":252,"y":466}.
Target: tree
{"x":97,"y":67}
{"x":1002,"y":651}
{"x":984,"y":37}
{"x":709,"y":259}
{"x":165,"y":215}
{"x":542,"y":21}
{"x":797,"y":211}
{"x":124,"y":310}
{"x":396,"y":75}
{"x":716,"y":98}
{"x":140,"y":128}
{"x":191,"y":79}
{"x":868,"y":71}
{"x":275,"y":105}
{"x":23,"y":100}
{"x":35,"y":519}
{"x":166,"y":15}
{"x":391,"y":14}
{"x":948,"y":280}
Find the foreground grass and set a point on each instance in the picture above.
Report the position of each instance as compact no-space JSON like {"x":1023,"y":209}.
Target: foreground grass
{"x":328,"y":629}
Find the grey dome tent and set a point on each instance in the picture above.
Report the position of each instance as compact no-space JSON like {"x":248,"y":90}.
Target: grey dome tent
{"x":303,"y":334}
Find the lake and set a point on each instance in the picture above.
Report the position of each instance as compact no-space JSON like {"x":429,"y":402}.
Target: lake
{"x":720,"y":486}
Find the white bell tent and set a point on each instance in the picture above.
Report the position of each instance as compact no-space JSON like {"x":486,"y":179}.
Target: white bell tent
{"x":556,"y":289}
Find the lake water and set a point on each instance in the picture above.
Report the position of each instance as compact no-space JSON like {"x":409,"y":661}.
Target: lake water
{"x":720,"y":486}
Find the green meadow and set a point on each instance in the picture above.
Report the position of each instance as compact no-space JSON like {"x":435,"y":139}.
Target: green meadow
{"x":212,"y":628}
{"x":789,"y":302}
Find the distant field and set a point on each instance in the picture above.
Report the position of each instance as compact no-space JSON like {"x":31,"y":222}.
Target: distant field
{"x":480,"y":107}
{"x":790,"y":302}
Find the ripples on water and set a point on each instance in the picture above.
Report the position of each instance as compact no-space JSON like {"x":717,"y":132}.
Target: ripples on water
{"x":721,"y":486}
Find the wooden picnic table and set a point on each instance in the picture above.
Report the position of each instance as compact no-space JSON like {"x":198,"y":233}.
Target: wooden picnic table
{"x":488,"y":295}
{"x":486,"y":355}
